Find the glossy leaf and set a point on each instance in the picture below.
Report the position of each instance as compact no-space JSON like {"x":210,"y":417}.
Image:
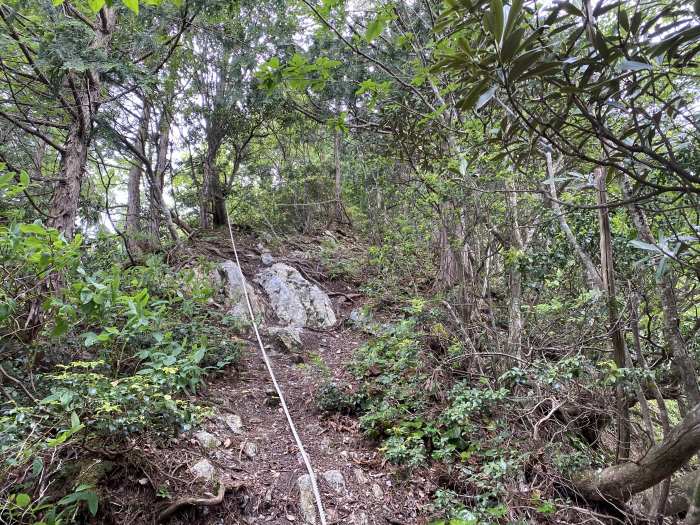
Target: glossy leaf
{"x":96,"y":5}
{"x":133,"y":5}
{"x":513,"y":16}
{"x":496,"y":19}
{"x":374,"y":28}
{"x":633,"y":65}
{"x":484,"y":98}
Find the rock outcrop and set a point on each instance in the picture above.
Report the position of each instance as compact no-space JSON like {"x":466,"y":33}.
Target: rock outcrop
{"x":233,"y":283}
{"x":296,"y":301}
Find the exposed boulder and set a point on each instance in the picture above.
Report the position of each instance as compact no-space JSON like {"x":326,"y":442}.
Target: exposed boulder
{"x":296,"y":301}
{"x":207,"y":439}
{"x":234,"y":423}
{"x":286,"y":338}
{"x":307,"y":503}
{"x":203,"y":469}
{"x":232,"y":282}
{"x":335,"y":479}
{"x":250,"y":449}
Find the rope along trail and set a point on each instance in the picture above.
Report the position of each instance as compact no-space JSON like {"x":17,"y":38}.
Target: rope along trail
{"x":283,"y":403}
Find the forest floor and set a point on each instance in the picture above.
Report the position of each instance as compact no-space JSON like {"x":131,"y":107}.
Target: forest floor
{"x":252,"y":449}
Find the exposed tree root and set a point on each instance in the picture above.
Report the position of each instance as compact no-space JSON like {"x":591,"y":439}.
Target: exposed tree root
{"x":620,"y":482}
{"x":197,"y":502}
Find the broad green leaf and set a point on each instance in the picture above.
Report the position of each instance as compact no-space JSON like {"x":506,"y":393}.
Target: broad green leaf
{"x":374,"y":28}
{"x":623,"y":20}
{"x":600,"y":45}
{"x":511,"y":44}
{"x":133,"y":5}
{"x":541,"y":70}
{"x":633,"y":65}
{"x":473,"y":95}
{"x":57,"y":2}
{"x":645,"y":246}
{"x":496,"y":19}
{"x":37,"y":466}
{"x":96,"y":5}
{"x":22,"y":500}
{"x":485,"y":97}
{"x":90,"y":339}
{"x":523,"y":63}
{"x":513,"y":16}
{"x":571,"y":9}
{"x":91,"y":499}
{"x":37,"y":229}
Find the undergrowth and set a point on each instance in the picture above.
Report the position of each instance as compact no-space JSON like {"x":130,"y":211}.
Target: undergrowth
{"x":116,"y":355}
{"x":419,"y":399}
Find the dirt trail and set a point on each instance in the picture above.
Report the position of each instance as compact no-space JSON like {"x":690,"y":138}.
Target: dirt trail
{"x":261,"y":458}
{"x":368,"y":493}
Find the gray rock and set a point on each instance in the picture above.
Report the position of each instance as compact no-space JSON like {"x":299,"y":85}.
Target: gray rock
{"x":359,"y":316}
{"x":250,"y":449}
{"x":307,"y":503}
{"x":207,"y":439}
{"x":335,"y":479}
{"x":230,"y":274}
{"x":203,"y":469}
{"x":359,"y":518}
{"x":361,"y":477}
{"x":235,"y":423}
{"x":296,"y":301}
{"x":267,"y":259}
{"x":286,"y":337}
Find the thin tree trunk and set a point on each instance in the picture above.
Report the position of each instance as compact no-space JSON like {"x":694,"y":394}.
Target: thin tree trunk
{"x":133,"y":203}
{"x":616,"y":338}
{"x":341,"y":216}
{"x":683,"y":365}
{"x":218,"y":201}
{"x":158,"y":210}
{"x":515,"y":316}
{"x":660,"y":493}
{"x":692,"y":517}
{"x":212,"y":198}
{"x":592,"y":276}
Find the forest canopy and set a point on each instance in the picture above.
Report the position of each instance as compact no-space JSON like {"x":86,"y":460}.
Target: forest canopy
{"x":498,"y":200}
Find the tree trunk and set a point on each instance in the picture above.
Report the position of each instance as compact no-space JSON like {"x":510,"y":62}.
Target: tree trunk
{"x":620,"y":482}
{"x":616,"y":338}
{"x":159,"y":207}
{"x":66,"y":195}
{"x":692,"y":517}
{"x":212,"y":199}
{"x":592,"y":277}
{"x":683,"y":365}
{"x":218,"y":201}
{"x":341,"y":216}
{"x":515,"y":278}
{"x":133,"y":203}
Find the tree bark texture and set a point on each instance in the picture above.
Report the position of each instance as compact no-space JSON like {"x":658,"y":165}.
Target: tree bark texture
{"x":86,"y":95}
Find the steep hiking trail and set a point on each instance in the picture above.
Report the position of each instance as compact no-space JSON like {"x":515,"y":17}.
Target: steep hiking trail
{"x":242,"y":464}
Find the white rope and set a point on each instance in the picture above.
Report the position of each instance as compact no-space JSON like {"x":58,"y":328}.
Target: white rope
{"x":268,"y":364}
